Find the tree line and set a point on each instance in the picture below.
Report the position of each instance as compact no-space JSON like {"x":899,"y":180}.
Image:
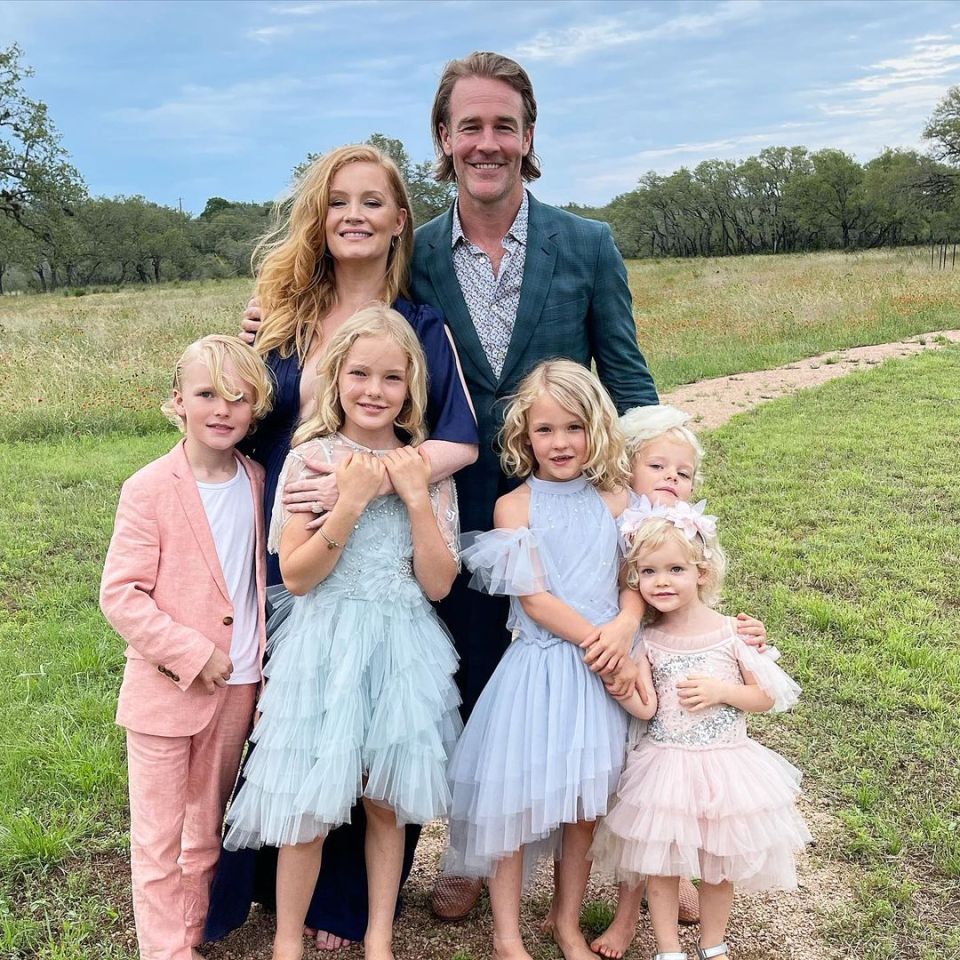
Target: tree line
{"x":786,"y":199}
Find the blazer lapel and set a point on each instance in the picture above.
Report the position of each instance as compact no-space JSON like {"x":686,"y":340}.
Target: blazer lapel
{"x":539,"y":263}
{"x":196,"y":517}
{"x":450,"y":301}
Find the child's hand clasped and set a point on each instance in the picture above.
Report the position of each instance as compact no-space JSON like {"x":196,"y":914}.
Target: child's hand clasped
{"x":609,"y":646}
{"x":359,"y":476}
{"x":216,"y":671}
{"x":699,"y":692}
{"x":409,"y":471}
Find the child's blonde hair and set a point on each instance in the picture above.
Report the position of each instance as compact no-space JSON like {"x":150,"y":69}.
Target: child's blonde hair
{"x":703,"y":550}
{"x":213,"y":352}
{"x":376,"y":321}
{"x":642,"y":425}
{"x":578,"y":391}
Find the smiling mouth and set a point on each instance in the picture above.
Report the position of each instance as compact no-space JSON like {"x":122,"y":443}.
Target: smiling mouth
{"x":355,"y":235}
{"x":486,"y":166}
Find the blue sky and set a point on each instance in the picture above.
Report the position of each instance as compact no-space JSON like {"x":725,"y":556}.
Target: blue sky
{"x":187,"y":100}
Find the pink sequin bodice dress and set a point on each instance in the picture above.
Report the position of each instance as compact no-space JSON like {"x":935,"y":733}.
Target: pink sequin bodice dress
{"x":698,"y":798}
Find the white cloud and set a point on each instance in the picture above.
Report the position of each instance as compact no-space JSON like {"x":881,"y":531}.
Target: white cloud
{"x":572,"y":43}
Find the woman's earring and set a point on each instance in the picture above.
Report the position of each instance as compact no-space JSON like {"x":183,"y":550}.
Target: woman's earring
{"x":394,"y":240}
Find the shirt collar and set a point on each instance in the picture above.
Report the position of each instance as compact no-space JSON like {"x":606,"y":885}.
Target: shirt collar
{"x":517,"y":231}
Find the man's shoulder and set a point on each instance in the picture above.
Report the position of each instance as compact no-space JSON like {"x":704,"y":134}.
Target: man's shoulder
{"x":558,"y":220}
{"x":433,"y":230}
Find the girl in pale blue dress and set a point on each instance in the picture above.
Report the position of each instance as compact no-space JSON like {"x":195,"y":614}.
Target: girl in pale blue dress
{"x":360,"y":700}
{"x":542,"y":751}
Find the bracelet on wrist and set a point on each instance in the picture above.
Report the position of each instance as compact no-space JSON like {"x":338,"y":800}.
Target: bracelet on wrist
{"x":331,"y":544}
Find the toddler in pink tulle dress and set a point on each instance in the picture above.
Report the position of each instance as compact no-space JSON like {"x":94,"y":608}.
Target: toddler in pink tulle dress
{"x":698,"y":798}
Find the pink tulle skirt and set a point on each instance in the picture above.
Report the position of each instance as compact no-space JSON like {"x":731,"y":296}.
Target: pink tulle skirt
{"x":726,"y":812}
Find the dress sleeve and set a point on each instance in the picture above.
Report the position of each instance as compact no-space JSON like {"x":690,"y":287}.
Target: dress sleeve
{"x":443,"y":499}
{"x":505,"y":562}
{"x":449,"y":412}
{"x":294,"y":468}
{"x":770,"y":678}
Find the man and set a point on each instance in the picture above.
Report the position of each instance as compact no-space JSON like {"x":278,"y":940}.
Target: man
{"x":518,"y":282}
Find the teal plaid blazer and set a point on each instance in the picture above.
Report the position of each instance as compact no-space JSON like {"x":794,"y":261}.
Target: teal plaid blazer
{"x":574,"y":303}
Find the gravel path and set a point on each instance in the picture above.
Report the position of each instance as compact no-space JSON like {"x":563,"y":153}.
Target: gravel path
{"x":762,"y":927}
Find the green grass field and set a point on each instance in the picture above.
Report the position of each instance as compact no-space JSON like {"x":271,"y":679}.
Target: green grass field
{"x":840,"y":510}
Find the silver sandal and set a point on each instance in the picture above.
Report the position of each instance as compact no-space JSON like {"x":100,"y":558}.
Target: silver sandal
{"x":709,"y":952}
{"x":676,"y":955}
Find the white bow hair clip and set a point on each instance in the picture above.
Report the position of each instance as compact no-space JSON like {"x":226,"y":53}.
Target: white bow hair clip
{"x":689,"y":519}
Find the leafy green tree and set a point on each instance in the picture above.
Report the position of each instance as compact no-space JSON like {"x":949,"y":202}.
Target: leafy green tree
{"x":943,"y":127}
{"x":33,"y":165}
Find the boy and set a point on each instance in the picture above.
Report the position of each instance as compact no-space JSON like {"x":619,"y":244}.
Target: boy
{"x":183,"y":584}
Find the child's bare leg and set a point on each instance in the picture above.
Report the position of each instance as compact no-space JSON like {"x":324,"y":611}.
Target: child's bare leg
{"x":297,"y":869}
{"x":550,"y":920}
{"x":384,"y":853}
{"x":716,"y":900}
{"x":663,"y":900}
{"x":613,"y":942}
{"x":505,"y":887}
{"x":571,"y":886}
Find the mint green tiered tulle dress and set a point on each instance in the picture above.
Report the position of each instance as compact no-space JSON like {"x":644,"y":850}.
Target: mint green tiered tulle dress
{"x":360,"y":698}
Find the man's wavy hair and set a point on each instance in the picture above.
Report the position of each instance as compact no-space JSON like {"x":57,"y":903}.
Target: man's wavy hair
{"x":491,"y":66}
{"x":579,"y":392}
{"x":295,"y":273}
{"x":376,"y":321}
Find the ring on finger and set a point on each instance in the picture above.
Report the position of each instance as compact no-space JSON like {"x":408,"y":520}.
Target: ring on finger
{"x":316,"y":507}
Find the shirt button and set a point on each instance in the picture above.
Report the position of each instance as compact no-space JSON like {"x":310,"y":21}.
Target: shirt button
{"x":227,"y":621}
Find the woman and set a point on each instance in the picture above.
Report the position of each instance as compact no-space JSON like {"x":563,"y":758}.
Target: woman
{"x":346,"y":243}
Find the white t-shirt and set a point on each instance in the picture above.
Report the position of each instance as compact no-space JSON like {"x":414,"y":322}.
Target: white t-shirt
{"x":229,"y":509}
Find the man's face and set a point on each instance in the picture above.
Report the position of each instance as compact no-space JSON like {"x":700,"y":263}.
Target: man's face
{"x":486,"y":139}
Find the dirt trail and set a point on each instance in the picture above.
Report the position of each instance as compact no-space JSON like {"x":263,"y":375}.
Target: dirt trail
{"x":715,"y":401}
{"x":786,"y":926}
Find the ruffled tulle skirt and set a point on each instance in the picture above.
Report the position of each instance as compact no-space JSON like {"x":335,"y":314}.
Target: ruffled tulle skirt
{"x":544,"y":746}
{"x":359,"y":701}
{"x":725,"y":812}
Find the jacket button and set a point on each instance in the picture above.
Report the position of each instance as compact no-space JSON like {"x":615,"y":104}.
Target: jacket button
{"x":173,"y":676}
{"x":161,"y":668}
{"x":227,"y":620}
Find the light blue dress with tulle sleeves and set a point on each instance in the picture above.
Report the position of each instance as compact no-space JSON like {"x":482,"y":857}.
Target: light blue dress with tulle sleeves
{"x":360,"y":698}
{"x":545,"y":743}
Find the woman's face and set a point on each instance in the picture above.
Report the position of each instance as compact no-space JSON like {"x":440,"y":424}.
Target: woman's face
{"x":363,"y":216}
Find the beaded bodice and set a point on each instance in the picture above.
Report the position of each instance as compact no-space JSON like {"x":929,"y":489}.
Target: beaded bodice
{"x":377,"y":560}
{"x":576,"y":536}
{"x":675,"y":658}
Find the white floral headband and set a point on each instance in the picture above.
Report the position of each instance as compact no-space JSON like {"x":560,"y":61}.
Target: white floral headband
{"x":689,"y":519}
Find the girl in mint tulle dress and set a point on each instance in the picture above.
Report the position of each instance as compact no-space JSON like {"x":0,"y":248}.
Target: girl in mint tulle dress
{"x":698,"y":798}
{"x":360,"y":700}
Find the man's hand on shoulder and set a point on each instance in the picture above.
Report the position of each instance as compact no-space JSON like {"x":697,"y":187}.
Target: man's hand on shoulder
{"x":250,"y":322}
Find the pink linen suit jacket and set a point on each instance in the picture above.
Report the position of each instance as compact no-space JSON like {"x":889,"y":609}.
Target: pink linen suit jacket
{"x":163,"y":591}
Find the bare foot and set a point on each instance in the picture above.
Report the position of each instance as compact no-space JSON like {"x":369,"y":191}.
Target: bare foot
{"x":613,"y":942}
{"x":377,"y":950}
{"x":288,"y":950}
{"x":509,"y":948}
{"x":573,"y":945}
{"x":328,"y":941}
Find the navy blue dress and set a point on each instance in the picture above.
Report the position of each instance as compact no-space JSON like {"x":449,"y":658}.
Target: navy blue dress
{"x":245,"y":876}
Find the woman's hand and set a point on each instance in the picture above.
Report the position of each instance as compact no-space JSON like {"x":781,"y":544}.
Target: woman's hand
{"x":250,"y":322}
{"x":752,"y":631}
{"x":312,"y":494}
{"x":359,"y":476}
{"x":698,"y":692}
{"x":409,"y":472}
